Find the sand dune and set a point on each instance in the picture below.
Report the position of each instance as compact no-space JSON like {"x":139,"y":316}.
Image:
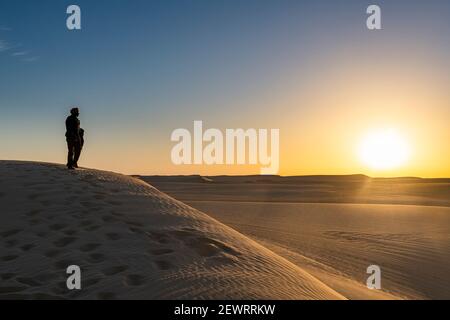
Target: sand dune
{"x":409,"y":243}
{"x":130,"y":240}
{"x":314,"y":189}
{"x":336,"y":242}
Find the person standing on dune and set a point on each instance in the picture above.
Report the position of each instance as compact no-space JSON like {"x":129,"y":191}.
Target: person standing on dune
{"x":73,"y":138}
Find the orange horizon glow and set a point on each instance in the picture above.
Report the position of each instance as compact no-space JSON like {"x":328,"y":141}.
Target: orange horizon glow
{"x":322,"y":119}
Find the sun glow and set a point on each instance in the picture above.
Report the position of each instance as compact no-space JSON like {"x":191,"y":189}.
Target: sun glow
{"x":384,"y":149}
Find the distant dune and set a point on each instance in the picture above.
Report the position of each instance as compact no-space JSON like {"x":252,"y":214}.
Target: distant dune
{"x":309,"y":189}
{"x":130,"y":240}
{"x":334,"y":227}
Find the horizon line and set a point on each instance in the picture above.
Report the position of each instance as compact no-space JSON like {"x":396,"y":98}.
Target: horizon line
{"x":288,"y":176}
{"x":243,"y":175}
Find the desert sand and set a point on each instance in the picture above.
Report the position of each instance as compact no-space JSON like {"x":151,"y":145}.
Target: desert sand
{"x":334,"y":227}
{"x":130,"y":240}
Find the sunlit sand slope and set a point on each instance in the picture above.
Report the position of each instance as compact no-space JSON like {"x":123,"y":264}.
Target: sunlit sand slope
{"x":130,"y":241}
{"x":334,"y":227}
{"x":337,"y":242}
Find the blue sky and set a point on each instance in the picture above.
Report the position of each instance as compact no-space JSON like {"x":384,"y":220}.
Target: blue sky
{"x":139,"y":69}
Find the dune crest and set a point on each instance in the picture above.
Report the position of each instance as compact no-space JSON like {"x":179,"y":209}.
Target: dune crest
{"x":130,"y":241}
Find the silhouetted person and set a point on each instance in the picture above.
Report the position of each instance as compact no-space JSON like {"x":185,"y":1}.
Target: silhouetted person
{"x":73,"y":138}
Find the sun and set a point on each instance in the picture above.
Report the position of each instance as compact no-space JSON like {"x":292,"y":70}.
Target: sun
{"x":384,"y":149}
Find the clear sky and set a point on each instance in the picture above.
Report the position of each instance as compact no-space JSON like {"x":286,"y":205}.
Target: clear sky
{"x":140,"y":69}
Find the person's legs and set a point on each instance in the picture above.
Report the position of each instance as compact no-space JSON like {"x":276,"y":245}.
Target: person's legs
{"x":70,"y":154}
{"x":77,"y":150}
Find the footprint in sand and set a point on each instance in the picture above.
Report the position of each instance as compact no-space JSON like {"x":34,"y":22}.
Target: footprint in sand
{"x":47,"y":277}
{"x":134,"y":280}
{"x":31,"y":184}
{"x":11,"y":243}
{"x":94,"y":185}
{"x":7,"y":276}
{"x":15,"y":289}
{"x":109,"y":218}
{"x":96,"y":258}
{"x":159,"y":252}
{"x":89,"y":247}
{"x":35,"y":222}
{"x":45,"y":203}
{"x":34,"y":196}
{"x":78,"y":215}
{"x":163,"y":265}
{"x":208,"y":247}
{"x":90,"y":282}
{"x":106,"y":295}
{"x":41,"y":234}
{"x":45,"y":296}
{"x":68,"y":188}
{"x":32,"y":213}
{"x":99,"y":196}
{"x":203,"y":246}
{"x":52,"y":253}
{"x":28,"y":281}
{"x":135,"y":230}
{"x":114,"y":270}
{"x":27,"y":247}
{"x":224,"y":259}
{"x":88,"y":177}
{"x":134,"y":224}
{"x":70,"y":232}
{"x":63,"y":242}
{"x":158,"y":237}
{"x":114,"y":203}
{"x":60,"y":289}
{"x":57,"y":226}
{"x":71,"y":200}
{"x":183,"y":234}
{"x":87,"y":204}
{"x":9,"y":233}
{"x":113,"y":236}
{"x":86,"y":223}
{"x":92,"y":228}
{"x":8,"y":258}
{"x":117,"y":214}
